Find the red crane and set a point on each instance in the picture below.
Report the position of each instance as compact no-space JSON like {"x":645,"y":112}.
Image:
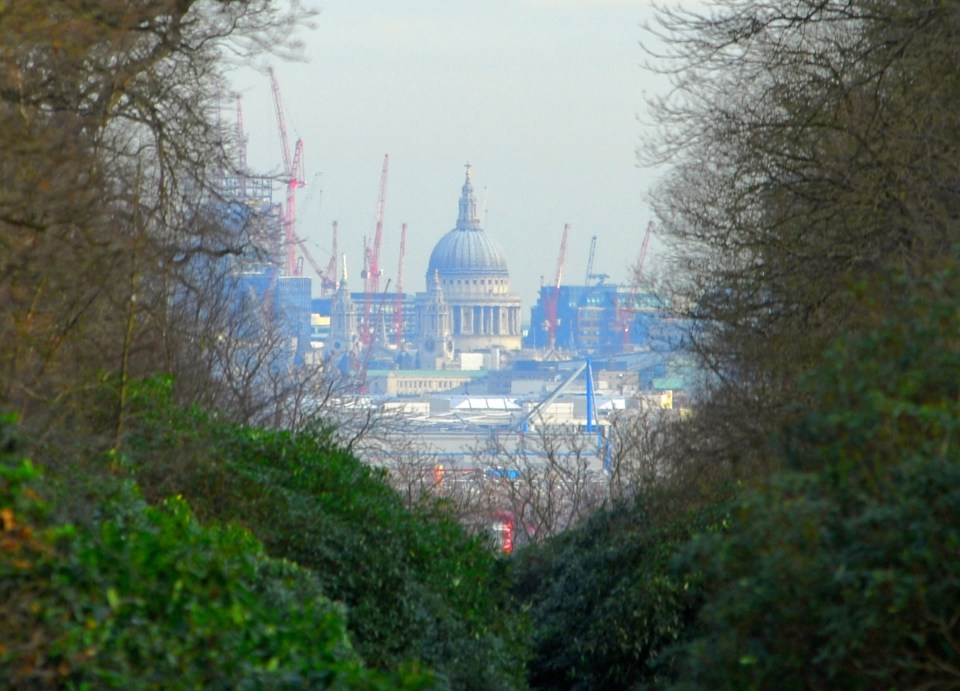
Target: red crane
{"x":554,"y":298}
{"x":368,"y":354}
{"x":398,"y":300}
{"x":292,"y":177}
{"x":310,"y":260}
{"x":626,"y":311}
{"x":328,"y":276}
{"x":371,"y":261}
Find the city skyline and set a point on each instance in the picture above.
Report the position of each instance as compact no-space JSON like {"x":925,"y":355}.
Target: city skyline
{"x":541,"y":97}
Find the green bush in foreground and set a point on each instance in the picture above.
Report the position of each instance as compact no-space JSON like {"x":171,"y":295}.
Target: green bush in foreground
{"x":415,"y":584}
{"x":840,"y":572}
{"x":605,"y":602}
{"x":808,"y":592}
{"x":152,"y":599}
{"x":843,"y":574}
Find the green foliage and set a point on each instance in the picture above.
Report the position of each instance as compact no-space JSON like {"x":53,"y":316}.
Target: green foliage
{"x":813,"y":144}
{"x":153,"y":599}
{"x":840,"y":573}
{"x":806,"y":592}
{"x":415,"y":584}
{"x":605,"y":601}
{"x":845,"y":576}
{"x":893,"y":389}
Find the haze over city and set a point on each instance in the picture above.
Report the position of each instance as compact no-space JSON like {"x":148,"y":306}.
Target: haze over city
{"x":544,"y":99}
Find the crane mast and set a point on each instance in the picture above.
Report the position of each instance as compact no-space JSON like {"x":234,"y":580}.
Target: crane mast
{"x":368,"y":353}
{"x":293,"y":178}
{"x":643,"y":252}
{"x":241,"y":150}
{"x":372,"y":261}
{"x":554,"y":298}
{"x":398,"y":300}
{"x":310,"y":260}
{"x":328,"y":279}
{"x":593,"y":249}
{"x":625,"y":312}
{"x":296,"y":179}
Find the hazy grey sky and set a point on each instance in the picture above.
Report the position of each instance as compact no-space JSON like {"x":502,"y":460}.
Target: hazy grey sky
{"x":541,"y":97}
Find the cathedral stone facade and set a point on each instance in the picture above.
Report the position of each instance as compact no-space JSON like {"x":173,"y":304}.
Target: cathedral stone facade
{"x":344,"y":339}
{"x":475,"y":309}
{"x":467,"y":307}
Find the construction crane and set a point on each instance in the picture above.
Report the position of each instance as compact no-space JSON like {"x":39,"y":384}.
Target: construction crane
{"x":328,"y":279}
{"x":554,"y":298}
{"x":398,"y":300}
{"x":310,"y":260}
{"x":600,"y":278}
{"x":241,"y":151}
{"x":328,"y":276}
{"x":368,"y":353}
{"x":535,"y":416}
{"x":371,"y":261}
{"x":625,"y":312}
{"x":643,"y":252}
{"x":593,"y":249}
{"x":299,"y":240}
{"x":293,"y":178}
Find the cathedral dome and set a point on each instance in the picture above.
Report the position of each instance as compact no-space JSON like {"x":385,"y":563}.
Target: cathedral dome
{"x":467,"y":250}
{"x":468,"y":305}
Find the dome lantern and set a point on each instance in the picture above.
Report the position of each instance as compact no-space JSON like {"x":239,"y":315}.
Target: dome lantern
{"x":468,"y":218}
{"x":467,"y":251}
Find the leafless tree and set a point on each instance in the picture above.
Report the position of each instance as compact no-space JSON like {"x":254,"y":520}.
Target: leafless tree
{"x":549,"y":482}
{"x":112,"y":157}
{"x":812,"y":146}
{"x":413,"y":471}
{"x":549,"y":479}
{"x":639,"y":447}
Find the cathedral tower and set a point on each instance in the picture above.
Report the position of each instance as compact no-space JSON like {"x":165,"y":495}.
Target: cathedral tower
{"x":344,"y":338}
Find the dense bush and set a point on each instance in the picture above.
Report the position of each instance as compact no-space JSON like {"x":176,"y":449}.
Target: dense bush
{"x":844,"y":575}
{"x":808,"y":591}
{"x":604,"y":601}
{"x":149,"y":598}
{"x":838,"y":572}
{"x":415,"y":584}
